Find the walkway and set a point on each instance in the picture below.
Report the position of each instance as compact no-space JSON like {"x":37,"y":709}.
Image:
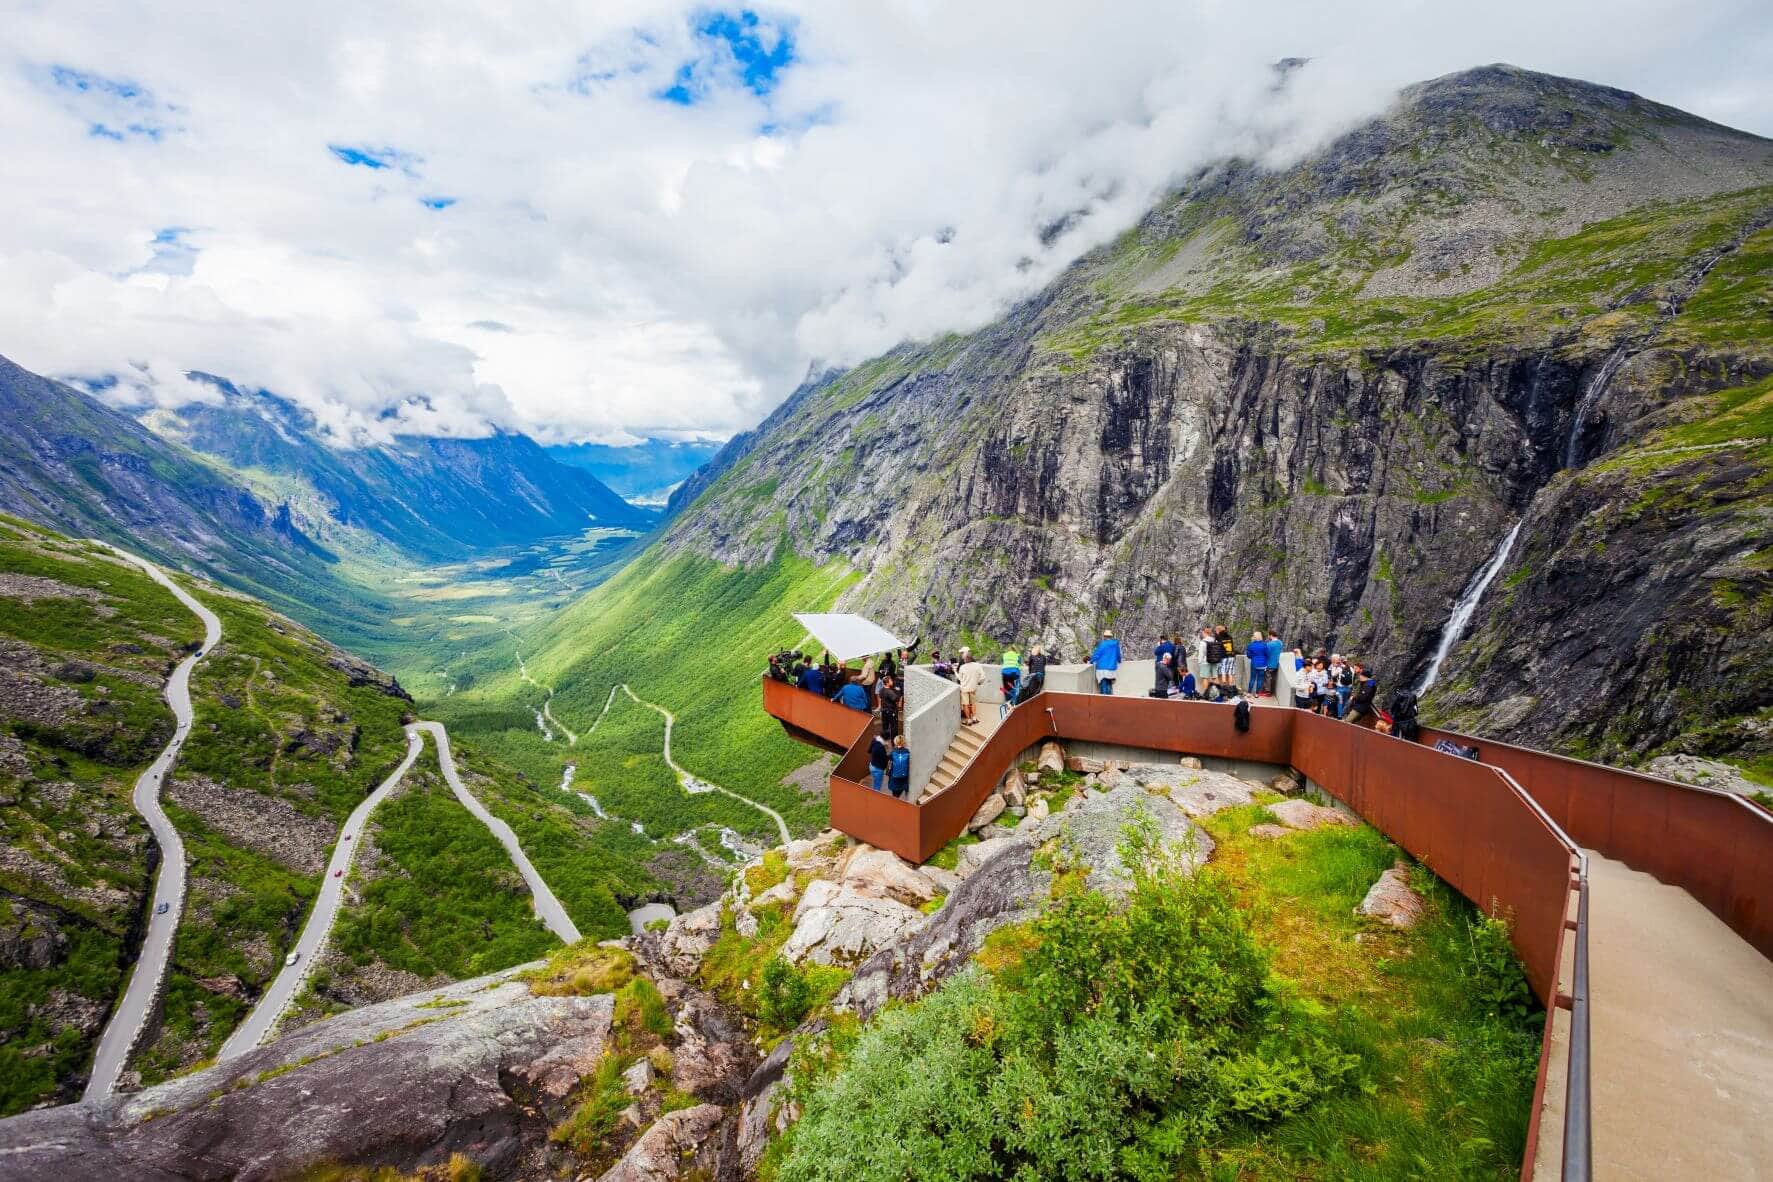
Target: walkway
{"x":126,"y":1023}
{"x":1681,"y":1031}
{"x":292,"y":977}
{"x":548,"y":908}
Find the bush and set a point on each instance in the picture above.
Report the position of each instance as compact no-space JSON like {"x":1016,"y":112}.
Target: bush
{"x":786,"y":995}
{"x":1116,"y":1042}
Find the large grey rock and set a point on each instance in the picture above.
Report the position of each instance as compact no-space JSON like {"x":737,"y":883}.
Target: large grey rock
{"x":1392,"y":899}
{"x":987,"y":812}
{"x":835,"y":923}
{"x":885,"y":875}
{"x":1704,"y":773}
{"x":1094,"y":831}
{"x":689,"y":938}
{"x":677,"y":1144}
{"x":1302,"y":814}
{"x":405,"y":1081}
{"x":976,"y":854}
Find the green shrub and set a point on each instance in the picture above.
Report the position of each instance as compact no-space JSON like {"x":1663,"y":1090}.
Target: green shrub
{"x":785,"y":996}
{"x":1497,"y":984}
{"x":1118,"y":1042}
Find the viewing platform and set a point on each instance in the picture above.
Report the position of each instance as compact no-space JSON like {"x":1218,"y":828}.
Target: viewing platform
{"x":1641,"y":908}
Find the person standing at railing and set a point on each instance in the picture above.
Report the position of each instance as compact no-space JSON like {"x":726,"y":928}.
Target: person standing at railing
{"x":1106,"y":659}
{"x":971,"y":677}
{"x":1036,"y":678}
{"x":853,"y":695}
{"x":1010,"y":669}
{"x":1258,"y":653}
{"x":879,"y":757}
{"x":891,"y":700}
{"x":899,"y":768}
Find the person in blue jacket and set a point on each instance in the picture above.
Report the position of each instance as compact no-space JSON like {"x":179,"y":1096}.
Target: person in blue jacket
{"x":854,"y":696}
{"x":899,"y":768}
{"x":1258,"y":653}
{"x":1273,"y":664}
{"x":1106,"y":659}
{"x":812,"y":679}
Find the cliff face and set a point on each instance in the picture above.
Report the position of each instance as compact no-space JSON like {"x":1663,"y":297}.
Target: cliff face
{"x":1316,"y":400}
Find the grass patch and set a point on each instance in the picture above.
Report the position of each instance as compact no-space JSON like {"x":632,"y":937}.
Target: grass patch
{"x":582,"y":970}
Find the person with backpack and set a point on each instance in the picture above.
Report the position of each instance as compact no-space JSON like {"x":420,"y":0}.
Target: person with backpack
{"x":1227,"y":673}
{"x":1403,"y":716}
{"x":879,"y":757}
{"x":1036,"y":678}
{"x":899,"y":768}
{"x":1106,"y":659}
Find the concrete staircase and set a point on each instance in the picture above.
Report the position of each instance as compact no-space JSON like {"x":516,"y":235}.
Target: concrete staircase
{"x":961,"y":749}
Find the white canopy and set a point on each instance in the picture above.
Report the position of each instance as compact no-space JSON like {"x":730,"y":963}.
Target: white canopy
{"x":847,"y":636}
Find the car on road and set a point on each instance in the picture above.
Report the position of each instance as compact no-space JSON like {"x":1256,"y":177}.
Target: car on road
{"x":292,"y":958}
{"x":338,"y":874}
{"x":163,"y":908}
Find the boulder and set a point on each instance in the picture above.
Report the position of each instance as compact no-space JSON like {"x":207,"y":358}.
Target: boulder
{"x":813,"y":853}
{"x":1014,"y":796}
{"x":1287,"y":783}
{"x":1269,"y":832}
{"x":398,"y":1081}
{"x":977,"y":854}
{"x":1085,"y":765}
{"x":882,"y":874}
{"x":1093,"y":831}
{"x":689,"y":938}
{"x":837,"y":924}
{"x":639,"y":1077}
{"x":1032,"y":779}
{"x":676,"y":1145}
{"x":1052,"y":757}
{"x":1038,"y":809}
{"x":1191,"y":762}
{"x":1302,"y":814}
{"x":987,"y":812}
{"x":1392,"y":900}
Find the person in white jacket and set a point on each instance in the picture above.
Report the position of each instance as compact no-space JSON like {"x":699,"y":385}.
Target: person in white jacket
{"x":971,"y":676}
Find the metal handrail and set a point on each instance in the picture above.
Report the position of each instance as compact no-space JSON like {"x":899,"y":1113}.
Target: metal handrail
{"x":1578,"y":1163}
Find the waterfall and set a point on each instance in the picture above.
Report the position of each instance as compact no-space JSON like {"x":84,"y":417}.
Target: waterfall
{"x":1467,"y":607}
{"x":1597,"y":386}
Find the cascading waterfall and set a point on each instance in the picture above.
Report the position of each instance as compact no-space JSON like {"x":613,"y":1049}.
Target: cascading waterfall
{"x":1597,"y":386}
{"x":1467,"y":607}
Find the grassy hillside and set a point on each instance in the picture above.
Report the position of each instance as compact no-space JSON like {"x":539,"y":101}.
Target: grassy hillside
{"x":683,"y":632}
{"x":85,"y":642}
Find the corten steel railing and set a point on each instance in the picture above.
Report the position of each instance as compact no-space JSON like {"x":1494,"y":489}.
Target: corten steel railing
{"x":1470,"y":823}
{"x":1714,"y":845}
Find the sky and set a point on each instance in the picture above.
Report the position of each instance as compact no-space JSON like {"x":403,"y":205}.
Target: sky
{"x":609,"y":221}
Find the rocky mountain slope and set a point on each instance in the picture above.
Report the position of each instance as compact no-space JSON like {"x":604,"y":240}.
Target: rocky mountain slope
{"x":1316,"y":400}
{"x":432,"y":499}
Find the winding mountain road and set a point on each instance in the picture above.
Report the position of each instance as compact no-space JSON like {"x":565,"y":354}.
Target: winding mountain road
{"x":548,"y":908}
{"x":131,"y":1014}
{"x":691,"y":783}
{"x":289,"y":980}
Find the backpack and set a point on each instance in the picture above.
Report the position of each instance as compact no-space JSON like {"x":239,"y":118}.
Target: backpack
{"x":1403,"y":705}
{"x":1241,"y":718}
{"x":1215,"y":652}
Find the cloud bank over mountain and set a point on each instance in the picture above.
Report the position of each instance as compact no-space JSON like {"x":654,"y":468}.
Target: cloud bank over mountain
{"x":627,"y":220}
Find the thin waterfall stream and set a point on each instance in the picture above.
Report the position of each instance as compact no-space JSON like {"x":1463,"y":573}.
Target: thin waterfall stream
{"x":1467,"y":607}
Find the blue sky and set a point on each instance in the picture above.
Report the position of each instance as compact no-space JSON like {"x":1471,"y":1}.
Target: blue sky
{"x":649,"y":218}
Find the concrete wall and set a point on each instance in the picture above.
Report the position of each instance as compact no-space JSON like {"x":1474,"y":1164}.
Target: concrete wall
{"x":931,"y":720}
{"x":1137,"y":676}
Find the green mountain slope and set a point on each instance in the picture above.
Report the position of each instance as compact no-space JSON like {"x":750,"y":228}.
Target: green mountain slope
{"x":1315,"y":400}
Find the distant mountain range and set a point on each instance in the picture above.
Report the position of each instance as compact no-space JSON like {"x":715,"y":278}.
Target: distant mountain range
{"x":433,"y":498}
{"x":245,"y":490}
{"x":645,"y":473}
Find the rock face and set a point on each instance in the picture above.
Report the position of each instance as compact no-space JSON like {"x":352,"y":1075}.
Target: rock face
{"x":405,"y":1082}
{"x":677,"y":1144}
{"x":1340,"y":454}
{"x":837,"y":924}
{"x":1703,"y":773}
{"x":688,"y":939}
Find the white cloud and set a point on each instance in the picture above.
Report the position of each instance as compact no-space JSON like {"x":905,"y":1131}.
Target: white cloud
{"x":445,"y":217}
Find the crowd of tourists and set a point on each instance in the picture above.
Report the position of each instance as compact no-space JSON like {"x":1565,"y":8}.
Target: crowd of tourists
{"x":1322,"y":682}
